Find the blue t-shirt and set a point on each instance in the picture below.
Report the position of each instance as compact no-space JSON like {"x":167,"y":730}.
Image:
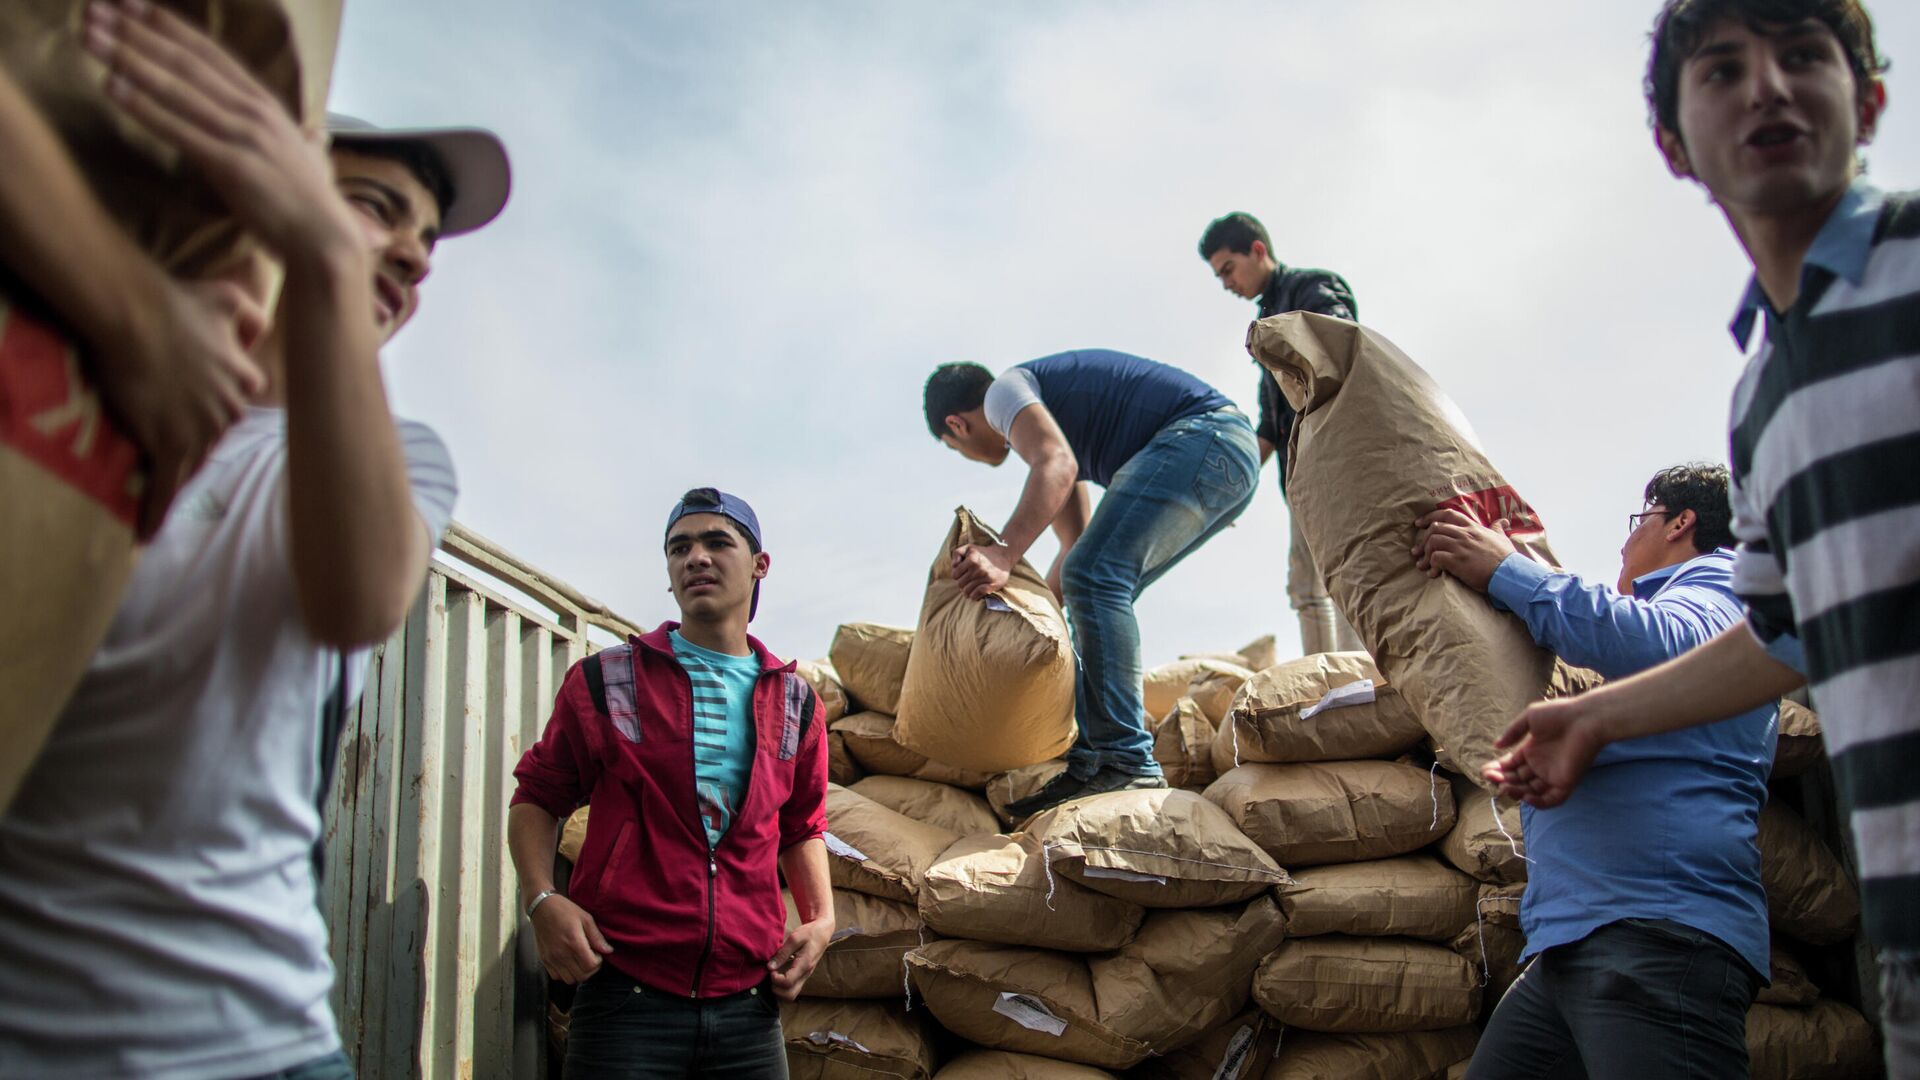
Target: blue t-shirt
{"x":722,"y":729}
{"x":1108,"y":404}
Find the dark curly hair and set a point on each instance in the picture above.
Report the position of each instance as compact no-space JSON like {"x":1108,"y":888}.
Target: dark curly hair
{"x":1701,"y":487}
{"x":952,"y":389}
{"x":1681,"y":26}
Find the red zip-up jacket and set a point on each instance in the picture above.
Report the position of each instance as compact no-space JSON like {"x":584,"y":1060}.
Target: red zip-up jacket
{"x":680,"y":919}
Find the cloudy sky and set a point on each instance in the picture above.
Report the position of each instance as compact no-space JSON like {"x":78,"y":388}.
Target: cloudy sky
{"x":742,"y":234}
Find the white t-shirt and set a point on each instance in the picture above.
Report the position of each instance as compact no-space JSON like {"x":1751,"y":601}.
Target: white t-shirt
{"x":157,"y":901}
{"x":1013,"y":391}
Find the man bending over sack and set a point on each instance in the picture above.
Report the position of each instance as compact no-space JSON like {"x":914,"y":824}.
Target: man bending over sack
{"x":1179,"y":463}
{"x":703,"y":760}
{"x":157,"y":892}
{"x":1644,"y":912}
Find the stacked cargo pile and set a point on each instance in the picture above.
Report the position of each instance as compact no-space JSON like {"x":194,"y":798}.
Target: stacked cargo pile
{"x":1331,"y":901}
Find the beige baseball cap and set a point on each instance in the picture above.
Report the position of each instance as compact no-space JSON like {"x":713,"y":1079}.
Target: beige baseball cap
{"x":475,"y":161}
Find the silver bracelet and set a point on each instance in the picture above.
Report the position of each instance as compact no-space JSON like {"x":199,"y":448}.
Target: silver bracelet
{"x":538,"y":900}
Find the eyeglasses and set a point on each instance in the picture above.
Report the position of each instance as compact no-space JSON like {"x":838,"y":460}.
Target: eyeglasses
{"x":1634,"y":520}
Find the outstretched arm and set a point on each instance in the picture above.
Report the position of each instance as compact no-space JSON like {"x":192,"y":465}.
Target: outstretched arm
{"x":1554,"y":742}
{"x":1051,"y":472}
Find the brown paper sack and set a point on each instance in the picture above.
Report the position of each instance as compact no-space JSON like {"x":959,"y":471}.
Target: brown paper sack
{"x":874,"y":850}
{"x":868,"y":737}
{"x":1183,"y":745}
{"x":996,"y":888}
{"x":1239,"y":1049}
{"x":1414,"y":1055}
{"x":1810,"y":895}
{"x":70,"y":479}
{"x":1824,"y":1041}
{"x":826,"y":686}
{"x":1789,"y":982}
{"x":989,"y":684}
{"x":1336,"y":811}
{"x":871,"y":662}
{"x":1411,"y":896}
{"x":1010,"y":997}
{"x":573,"y":835}
{"x":1350,"y":710}
{"x":1368,"y":984}
{"x":1161,"y":688}
{"x":841,"y":768}
{"x":871,"y":938}
{"x":1002,"y":1065}
{"x":1158,"y":848}
{"x":1799,"y":746}
{"x":1185,"y":972}
{"x":1476,"y":843}
{"x":1016,"y":784}
{"x":855,"y":1040}
{"x":1377,"y":445}
{"x":949,"y":807}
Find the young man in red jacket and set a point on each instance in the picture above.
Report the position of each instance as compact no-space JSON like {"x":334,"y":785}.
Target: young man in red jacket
{"x":705,"y":765}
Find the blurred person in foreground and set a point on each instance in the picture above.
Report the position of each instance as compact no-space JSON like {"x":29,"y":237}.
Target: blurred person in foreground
{"x":1641,"y":957}
{"x":1766,"y":104}
{"x":702,"y":760}
{"x":1236,"y":248}
{"x":158,"y":869}
{"x":1179,"y":464}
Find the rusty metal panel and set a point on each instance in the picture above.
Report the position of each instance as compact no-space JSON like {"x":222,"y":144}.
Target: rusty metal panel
{"x":435,"y":974}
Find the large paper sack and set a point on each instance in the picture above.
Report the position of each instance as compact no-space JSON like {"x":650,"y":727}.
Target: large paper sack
{"x":1377,"y":445}
{"x":989,"y":684}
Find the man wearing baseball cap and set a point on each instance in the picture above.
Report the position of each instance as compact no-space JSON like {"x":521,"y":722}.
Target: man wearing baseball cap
{"x":157,"y":869}
{"x":703,"y":763}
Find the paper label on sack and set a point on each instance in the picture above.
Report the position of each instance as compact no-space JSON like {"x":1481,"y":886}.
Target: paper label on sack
{"x":994,"y":603}
{"x":1354,"y":693}
{"x":843,"y":932}
{"x":1029,"y":1013}
{"x":834,"y":1038}
{"x":1121,"y":875}
{"x":1235,"y":1059}
{"x":843,"y":849}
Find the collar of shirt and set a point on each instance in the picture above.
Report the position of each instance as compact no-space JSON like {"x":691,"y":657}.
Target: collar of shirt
{"x":1841,"y":247}
{"x":1650,"y":583}
{"x":1270,"y":295}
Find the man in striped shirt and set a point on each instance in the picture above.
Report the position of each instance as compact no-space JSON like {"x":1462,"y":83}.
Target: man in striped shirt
{"x":1765,"y":105}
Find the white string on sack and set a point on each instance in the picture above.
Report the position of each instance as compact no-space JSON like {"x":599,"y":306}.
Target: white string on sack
{"x":1433,"y":791}
{"x":1494,"y":801}
{"x":1480,"y":929}
{"x":906,"y":969}
{"x":1235,"y":721}
{"x":1046,"y":865}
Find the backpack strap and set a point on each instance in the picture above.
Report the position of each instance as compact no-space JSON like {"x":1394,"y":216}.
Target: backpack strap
{"x":596,"y":682}
{"x":609,"y":675}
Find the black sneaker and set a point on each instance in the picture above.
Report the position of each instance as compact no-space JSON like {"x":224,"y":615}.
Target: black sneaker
{"x":1111,"y":780}
{"x":1054,"y":792}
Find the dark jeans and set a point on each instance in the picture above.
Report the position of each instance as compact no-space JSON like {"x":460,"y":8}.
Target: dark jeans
{"x":334,"y":1066}
{"x":620,"y":1030}
{"x":1900,"y":1012}
{"x":1639,"y":999}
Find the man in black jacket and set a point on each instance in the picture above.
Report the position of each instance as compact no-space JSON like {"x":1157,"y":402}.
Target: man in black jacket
{"x":1237,"y":248}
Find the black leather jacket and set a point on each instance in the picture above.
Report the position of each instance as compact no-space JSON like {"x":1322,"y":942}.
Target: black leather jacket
{"x":1321,"y":291}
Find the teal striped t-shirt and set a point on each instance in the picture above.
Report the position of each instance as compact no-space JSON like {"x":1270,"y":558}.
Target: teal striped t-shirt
{"x":722,"y":729}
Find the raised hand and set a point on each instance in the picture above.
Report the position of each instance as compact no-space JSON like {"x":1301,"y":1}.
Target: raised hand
{"x":1553,"y":744}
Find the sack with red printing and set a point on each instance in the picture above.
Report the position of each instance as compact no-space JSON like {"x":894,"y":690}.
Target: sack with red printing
{"x":1378,"y":445}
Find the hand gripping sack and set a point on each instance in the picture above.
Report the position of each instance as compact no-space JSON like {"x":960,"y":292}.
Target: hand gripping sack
{"x":989,"y":684}
{"x":1377,"y":445}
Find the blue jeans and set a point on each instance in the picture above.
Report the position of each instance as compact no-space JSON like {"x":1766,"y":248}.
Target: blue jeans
{"x":620,"y":1030}
{"x":334,"y":1066}
{"x":1188,"y":483}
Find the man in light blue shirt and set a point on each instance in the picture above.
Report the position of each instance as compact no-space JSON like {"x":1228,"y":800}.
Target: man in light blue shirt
{"x":1644,"y":913}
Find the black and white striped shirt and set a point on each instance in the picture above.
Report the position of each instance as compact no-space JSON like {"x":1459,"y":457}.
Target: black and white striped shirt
{"x":1826,"y":499}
